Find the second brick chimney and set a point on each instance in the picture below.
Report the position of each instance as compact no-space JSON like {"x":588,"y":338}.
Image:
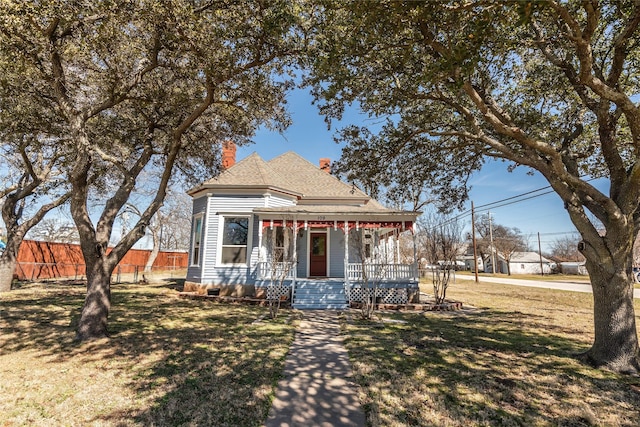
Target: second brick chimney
{"x":325,"y":165}
{"x":228,"y":154}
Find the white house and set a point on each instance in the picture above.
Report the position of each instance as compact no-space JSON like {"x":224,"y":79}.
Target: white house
{"x":290,"y":220}
{"x":577,"y":268}
{"x":520,"y":263}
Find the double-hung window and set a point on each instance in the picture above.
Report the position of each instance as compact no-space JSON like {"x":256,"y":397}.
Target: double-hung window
{"x":196,"y":238}
{"x":235,"y":237}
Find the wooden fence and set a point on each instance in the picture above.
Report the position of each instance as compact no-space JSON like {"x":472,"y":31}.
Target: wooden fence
{"x":47,"y":260}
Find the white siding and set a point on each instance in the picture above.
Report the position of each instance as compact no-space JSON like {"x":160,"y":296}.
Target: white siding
{"x":276,"y":201}
{"x":226,"y":205}
{"x":255,"y":250}
{"x":529,"y":268}
{"x":336,"y":255}
{"x":303,"y":255}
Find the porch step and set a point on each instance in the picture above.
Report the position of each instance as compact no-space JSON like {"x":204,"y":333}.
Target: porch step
{"x":320,"y":295}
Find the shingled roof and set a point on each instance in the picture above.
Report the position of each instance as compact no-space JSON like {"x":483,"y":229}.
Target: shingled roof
{"x":288,"y":173}
{"x":250,"y":172}
{"x":318,"y":192}
{"x":311,"y":181}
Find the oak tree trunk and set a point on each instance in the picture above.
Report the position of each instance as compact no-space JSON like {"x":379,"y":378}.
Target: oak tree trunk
{"x":7,"y":270}
{"x":93,"y":320}
{"x":616,"y":341}
{"x":9,"y":261}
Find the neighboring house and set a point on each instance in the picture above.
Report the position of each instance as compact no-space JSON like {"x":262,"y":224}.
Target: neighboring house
{"x":574,"y":267}
{"x":521,"y":263}
{"x":290,"y":227}
{"x":469,"y":265}
{"x":466,"y":256}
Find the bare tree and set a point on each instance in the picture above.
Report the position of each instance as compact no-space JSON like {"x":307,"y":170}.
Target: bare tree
{"x":168,"y":229}
{"x":496,"y":239}
{"x":507,"y":241}
{"x":283,"y":258}
{"x":54,"y":230}
{"x":441,"y":242}
{"x":565,"y":248}
{"x":176,"y":221}
{"x":364,"y":244}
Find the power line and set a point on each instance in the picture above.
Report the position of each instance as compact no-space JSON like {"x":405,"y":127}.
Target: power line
{"x":517,"y":196}
{"x":501,"y":202}
{"x":506,"y":202}
{"x":494,"y":205}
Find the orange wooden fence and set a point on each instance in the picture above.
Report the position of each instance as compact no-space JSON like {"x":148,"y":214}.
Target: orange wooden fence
{"x":45,"y":260}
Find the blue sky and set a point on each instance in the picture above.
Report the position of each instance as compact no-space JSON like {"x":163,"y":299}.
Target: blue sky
{"x":309,"y":137}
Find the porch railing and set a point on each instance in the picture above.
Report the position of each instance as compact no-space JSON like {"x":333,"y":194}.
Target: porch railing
{"x":381,"y":271}
{"x":267,"y":270}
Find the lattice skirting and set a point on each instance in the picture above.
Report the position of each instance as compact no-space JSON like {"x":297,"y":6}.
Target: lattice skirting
{"x":277,"y":291}
{"x":384,"y":296}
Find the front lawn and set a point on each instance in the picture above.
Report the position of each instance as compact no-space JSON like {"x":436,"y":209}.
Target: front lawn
{"x":169,"y":361}
{"x":507,"y":362}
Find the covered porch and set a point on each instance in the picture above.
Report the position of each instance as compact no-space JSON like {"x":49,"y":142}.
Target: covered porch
{"x":325,"y":262}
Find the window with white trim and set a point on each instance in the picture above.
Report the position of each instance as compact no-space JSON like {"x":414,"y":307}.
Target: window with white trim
{"x":235,"y":238}
{"x":282,"y":247}
{"x":196,"y":238}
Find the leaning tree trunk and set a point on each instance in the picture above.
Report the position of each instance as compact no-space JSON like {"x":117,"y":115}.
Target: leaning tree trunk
{"x":154,"y":251}
{"x":97,"y":303}
{"x":9,"y":261}
{"x":616,"y":341}
{"x":7,"y":269}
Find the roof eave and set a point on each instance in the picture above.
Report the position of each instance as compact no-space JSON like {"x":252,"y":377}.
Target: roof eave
{"x":209,"y":188}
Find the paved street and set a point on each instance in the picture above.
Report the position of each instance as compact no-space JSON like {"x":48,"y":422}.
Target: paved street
{"x":563,"y":286}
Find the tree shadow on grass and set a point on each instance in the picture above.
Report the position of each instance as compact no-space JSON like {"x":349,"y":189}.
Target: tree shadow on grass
{"x":188,"y":361}
{"x":490,"y":368}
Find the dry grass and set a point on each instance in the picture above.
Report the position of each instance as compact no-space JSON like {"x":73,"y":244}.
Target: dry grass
{"x":508,"y":362}
{"x":169,"y":361}
{"x":537,"y":277}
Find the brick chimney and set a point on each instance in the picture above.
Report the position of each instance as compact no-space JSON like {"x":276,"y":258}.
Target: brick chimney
{"x":325,"y":165}
{"x":228,"y":154}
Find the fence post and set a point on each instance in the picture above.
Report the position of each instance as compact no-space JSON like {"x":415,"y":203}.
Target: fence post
{"x":135,"y":274}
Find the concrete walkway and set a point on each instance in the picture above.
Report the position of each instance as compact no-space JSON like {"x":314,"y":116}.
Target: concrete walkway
{"x":563,"y":286}
{"x":317,"y":389}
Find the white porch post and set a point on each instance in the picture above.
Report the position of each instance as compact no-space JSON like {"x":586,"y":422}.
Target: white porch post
{"x":347,"y":285}
{"x":295,"y":251}
{"x":346,"y":252}
{"x":415,"y":256}
{"x":260,"y":251}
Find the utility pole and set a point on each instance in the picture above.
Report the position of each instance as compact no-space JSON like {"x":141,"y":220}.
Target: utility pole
{"x":540,"y":253}
{"x":493,"y":258}
{"x":473,"y":239}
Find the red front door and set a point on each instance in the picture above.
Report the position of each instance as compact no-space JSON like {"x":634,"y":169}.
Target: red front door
{"x":318,"y":255}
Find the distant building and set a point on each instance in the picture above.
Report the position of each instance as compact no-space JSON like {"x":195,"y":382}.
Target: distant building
{"x":521,"y":263}
{"x":577,"y":268}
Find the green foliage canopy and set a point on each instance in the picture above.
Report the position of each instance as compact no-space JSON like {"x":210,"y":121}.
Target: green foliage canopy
{"x":547,"y":85}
